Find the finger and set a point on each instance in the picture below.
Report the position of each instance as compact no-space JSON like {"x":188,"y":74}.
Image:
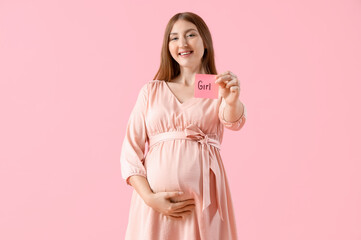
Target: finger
{"x":232,"y":74}
{"x":185,"y":202}
{"x":186,"y":208}
{"x":186,"y":199}
{"x":233,"y":82}
{"x":181,"y":208}
{"x":177,"y":218}
{"x":173,"y":194}
{"x":180,"y":205}
{"x":223,"y":79}
{"x":178,"y":201}
{"x":182,"y":215}
{"x":174,"y":218}
{"x":234,"y":89}
{"x":225,"y":73}
{"x":222,"y":75}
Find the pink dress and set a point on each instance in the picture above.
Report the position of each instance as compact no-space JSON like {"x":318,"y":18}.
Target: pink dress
{"x":183,"y":155}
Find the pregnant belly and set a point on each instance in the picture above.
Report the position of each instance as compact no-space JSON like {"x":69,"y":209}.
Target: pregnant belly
{"x":175,"y":166}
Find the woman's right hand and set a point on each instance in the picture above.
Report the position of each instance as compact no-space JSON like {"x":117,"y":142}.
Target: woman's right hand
{"x":162,"y":203}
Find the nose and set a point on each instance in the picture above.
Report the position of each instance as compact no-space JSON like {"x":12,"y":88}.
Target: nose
{"x":183,"y":42}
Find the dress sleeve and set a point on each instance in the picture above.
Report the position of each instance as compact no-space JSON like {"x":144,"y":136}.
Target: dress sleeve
{"x":236,"y":125}
{"x":133,"y":148}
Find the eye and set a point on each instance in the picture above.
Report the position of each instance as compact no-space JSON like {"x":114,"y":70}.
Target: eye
{"x":177,"y":38}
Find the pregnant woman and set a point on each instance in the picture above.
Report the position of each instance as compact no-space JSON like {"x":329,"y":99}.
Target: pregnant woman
{"x":184,"y":136}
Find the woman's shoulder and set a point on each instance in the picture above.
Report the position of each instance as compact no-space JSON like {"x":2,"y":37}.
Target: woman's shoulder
{"x":150,"y":86}
{"x":153,"y":84}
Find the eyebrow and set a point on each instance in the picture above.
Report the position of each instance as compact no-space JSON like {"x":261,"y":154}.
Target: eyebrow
{"x":185,"y":31}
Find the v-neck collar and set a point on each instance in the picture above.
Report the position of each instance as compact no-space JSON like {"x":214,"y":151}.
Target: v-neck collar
{"x":174,"y":96}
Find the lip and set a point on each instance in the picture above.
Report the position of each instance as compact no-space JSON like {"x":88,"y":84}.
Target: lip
{"x":185,"y":51}
{"x":185,"y":56}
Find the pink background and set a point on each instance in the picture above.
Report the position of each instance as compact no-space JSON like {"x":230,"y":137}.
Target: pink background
{"x":70,"y":73}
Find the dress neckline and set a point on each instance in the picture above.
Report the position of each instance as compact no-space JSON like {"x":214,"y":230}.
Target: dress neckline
{"x":174,"y":96}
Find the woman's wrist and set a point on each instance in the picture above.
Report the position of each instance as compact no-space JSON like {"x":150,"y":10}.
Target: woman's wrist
{"x":141,"y":186}
{"x":233,"y":112}
{"x":148,"y":197}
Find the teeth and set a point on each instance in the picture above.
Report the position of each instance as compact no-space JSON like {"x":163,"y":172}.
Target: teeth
{"x":185,"y":53}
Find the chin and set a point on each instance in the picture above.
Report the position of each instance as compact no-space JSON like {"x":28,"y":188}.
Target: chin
{"x":190,"y":64}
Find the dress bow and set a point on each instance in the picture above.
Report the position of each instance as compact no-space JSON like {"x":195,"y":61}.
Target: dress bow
{"x":194,"y":132}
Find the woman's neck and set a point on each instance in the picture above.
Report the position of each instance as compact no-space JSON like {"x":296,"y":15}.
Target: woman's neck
{"x":187,"y":76}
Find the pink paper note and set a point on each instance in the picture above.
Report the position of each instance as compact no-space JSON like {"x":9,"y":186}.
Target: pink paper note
{"x":205,"y":87}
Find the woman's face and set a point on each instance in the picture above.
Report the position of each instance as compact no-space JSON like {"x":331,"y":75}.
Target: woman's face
{"x":182,"y":39}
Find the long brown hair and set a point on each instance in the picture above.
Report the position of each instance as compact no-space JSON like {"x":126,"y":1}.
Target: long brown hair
{"x":169,"y":68}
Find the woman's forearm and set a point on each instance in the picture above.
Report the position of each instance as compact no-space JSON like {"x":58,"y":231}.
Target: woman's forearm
{"x":141,"y":185}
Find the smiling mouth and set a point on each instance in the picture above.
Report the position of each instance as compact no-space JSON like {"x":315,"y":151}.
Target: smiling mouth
{"x":185,"y":54}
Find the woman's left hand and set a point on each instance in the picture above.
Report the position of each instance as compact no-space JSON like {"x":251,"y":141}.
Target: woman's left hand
{"x":229,"y":87}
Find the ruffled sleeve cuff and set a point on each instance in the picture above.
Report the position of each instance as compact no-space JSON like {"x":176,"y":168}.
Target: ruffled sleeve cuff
{"x":235,"y":125}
